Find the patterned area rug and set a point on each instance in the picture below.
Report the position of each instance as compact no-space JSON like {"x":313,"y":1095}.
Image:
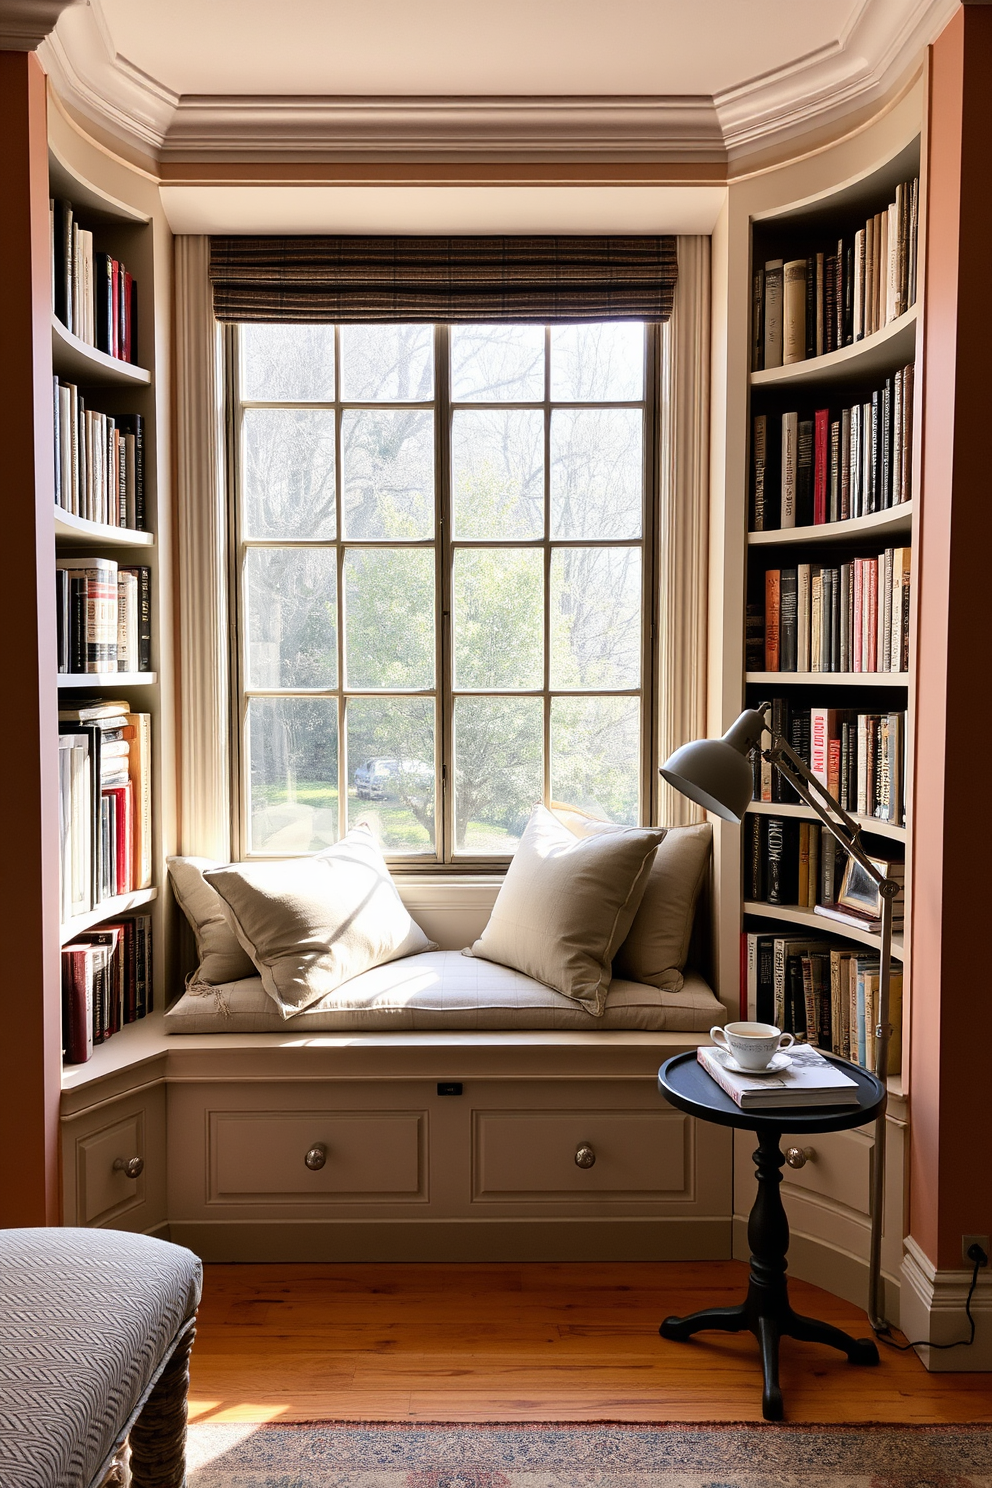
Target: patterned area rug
{"x":376,"y":1455}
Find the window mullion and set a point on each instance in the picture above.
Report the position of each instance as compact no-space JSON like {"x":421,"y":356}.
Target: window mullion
{"x":444,"y":710}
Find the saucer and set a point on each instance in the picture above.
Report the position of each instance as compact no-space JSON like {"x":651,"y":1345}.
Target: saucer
{"x":778,"y":1061}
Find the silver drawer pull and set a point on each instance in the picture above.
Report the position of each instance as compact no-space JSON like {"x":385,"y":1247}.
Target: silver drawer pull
{"x":316,"y":1157}
{"x":584,"y":1155}
{"x":131,"y":1168}
{"x":798,"y":1157}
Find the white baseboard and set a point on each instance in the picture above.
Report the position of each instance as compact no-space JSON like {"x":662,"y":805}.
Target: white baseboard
{"x":933,"y":1309}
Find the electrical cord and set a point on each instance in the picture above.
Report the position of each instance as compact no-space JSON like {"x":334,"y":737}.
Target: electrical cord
{"x":980,"y":1259}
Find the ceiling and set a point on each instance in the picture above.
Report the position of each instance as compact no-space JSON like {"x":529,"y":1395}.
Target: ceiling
{"x":450,"y":48}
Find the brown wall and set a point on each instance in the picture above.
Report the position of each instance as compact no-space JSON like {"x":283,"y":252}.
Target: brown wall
{"x":30,"y":1004}
{"x":951,"y":1154}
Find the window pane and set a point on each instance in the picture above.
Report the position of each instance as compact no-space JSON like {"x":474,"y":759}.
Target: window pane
{"x":291,"y":604}
{"x":498,"y":604}
{"x":287,"y":363}
{"x":389,"y":617}
{"x":597,"y":363}
{"x":497,"y":473}
{"x":388,"y":460}
{"x":293,"y":774}
{"x":497,"y":364}
{"x":288,"y":476}
{"x":499,"y":773}
{"x":391,"y":770}
{"x":596,"y":472}
{"x":387,"y":363}
{"x":595,"y":617}
{"x":594,"y":755}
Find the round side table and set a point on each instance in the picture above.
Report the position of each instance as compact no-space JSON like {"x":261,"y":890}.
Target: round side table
{"x":765,"y":1311}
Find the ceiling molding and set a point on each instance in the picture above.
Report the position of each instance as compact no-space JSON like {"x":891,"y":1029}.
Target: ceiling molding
{"x":24,"y":24}
{"x":881,"y":42}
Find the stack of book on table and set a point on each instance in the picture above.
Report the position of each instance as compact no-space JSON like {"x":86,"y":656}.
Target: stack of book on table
{"x":104,"y":804}
{"x":106,"y":982}
{"x":808,"y":1080}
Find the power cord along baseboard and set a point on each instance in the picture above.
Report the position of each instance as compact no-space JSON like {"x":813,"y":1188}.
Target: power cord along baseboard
{"x":979,"y":1259}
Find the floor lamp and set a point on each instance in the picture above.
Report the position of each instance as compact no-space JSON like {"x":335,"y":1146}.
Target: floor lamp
{"x":717,"y":774}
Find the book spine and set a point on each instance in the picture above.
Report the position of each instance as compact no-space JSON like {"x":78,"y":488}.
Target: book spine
{"x":790,"y":438}
{"x":821,"y":465}
{"x":804,"y":473}
{"x":833,"y":492}
{"x":794,"y":311}
{"x":788,"y":647}
{"x":775,"y":861}
{"x":759,"y":462}
{"x":773,"y":327}
{"x":803,"y":601}
{"x":757,"y":321}
{"x":773,"y":611}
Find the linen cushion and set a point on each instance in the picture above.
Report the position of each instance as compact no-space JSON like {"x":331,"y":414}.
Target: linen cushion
{"x":657,"y":943}
{"x":444,"y":990}
{"x":566,"y":904}
{"x":86,"y":1317}
{"x":310,"y":924}
{"x":220,"y":953}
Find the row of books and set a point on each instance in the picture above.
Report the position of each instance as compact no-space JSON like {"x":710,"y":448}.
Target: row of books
{"x":104,"y":804}
{"x":832,"y":466}
{"x":103,"y":616}
{"x":99,"y":461}
{"x":793,"y":862}
{"x":106,"y":983}
{"x":849,"y":617}
{"x":809,"y":306}
{"x":859,"y":757}
{"x":822,"y":993}
{"x":93,"y":294}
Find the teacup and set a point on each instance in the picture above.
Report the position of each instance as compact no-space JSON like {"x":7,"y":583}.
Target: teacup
{"x":752,"y":1045}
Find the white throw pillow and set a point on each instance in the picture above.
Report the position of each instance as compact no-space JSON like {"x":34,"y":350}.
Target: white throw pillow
{"x":310,"y":924}
{"x":566,"y":904}
{"x":218,"y":948}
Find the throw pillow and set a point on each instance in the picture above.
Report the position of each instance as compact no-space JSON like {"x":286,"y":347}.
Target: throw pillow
{"x":310,"y":924}
{"x":657,"y":943}
{"x":566,"y":904}
{"x":218,"y":948}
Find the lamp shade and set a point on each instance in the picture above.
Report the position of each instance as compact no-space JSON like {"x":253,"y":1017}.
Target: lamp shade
{"x":716,"y":773}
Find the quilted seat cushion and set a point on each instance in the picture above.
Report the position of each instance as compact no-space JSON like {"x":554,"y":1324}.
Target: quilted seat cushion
{"x":86,"y":1317}
{"x":445,"y":990}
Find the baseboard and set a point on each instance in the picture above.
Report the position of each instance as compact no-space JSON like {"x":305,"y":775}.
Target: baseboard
{"x":457,"y":1240}
{"x":836,"y":1271}
{"x":933,"y":1309}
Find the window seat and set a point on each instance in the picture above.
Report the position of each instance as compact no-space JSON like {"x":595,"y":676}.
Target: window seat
{"x":445,"y":990}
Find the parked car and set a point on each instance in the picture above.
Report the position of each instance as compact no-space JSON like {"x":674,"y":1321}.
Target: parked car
{"x":379,"y":778}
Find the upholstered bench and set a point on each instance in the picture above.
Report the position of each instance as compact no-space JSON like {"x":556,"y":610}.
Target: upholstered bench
{"x":95,"y":1332}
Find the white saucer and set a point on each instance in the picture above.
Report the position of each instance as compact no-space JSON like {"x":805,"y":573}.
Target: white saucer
{"x":779,"y":1061}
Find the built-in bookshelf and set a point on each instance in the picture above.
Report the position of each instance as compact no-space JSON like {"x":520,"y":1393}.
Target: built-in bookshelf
{"x":105,"y":523}
{"x":831,"y":511}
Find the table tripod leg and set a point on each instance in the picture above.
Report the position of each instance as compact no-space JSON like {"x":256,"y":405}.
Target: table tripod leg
{"x":720,"y":1319}
{"x":811,"y":1330}
{"x":771,"y":1395}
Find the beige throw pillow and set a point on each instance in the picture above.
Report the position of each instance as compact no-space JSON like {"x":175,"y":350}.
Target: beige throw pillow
{"x":217,"y":946}
{"x":310,"y":924}
{"x":657,"y":943}
{"x":566,"y":904}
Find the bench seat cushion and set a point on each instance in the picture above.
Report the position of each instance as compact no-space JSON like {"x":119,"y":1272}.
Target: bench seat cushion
{"x":445,"y":990}
{"x":86,"y":1318}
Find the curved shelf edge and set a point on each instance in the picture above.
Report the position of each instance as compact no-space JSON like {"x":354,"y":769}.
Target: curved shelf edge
{"x":892,"y":346}
{"x":107,"y":909}
{"x":65,"y":181}
{"x":83,"y":363}
{"x":807,"y":920}
{"x":889,"y":680}
{"x":77,"y":680}
{"x":70,"y":528}
{"x":870,"y":824}
{"x":894,"y":521}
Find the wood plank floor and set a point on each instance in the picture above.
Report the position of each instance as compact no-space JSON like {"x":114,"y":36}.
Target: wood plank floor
{"x":528,"y":1343}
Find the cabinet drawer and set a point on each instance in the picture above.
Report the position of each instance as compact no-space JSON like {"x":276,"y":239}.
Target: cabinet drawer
{"x":97,"y":1144}
{"x":259,"y":1156}
{"x":521,"y":1154}
{"x":840,"y":1168}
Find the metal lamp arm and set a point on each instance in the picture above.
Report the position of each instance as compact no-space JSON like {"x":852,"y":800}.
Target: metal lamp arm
{"x":801,"y":778}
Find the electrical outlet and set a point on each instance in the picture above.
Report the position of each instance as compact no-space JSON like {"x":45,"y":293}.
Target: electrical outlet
{"x":967,"y":1241}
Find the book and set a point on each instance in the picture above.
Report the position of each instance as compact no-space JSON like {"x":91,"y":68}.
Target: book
{"x":788,"y":600}
{"x":773,"y":317}
{"x":773,"y":615}
{"x":99,"y":641}
{"x":810,"y":1080}
{"x":759,"y":465}
{"x":794,"y":311}
{"x":789,"y":469}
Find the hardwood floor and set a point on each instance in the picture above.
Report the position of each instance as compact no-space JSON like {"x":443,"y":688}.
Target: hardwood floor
{"x":528,"y":1343}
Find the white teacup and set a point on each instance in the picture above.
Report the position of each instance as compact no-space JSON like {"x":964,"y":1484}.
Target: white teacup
{"x":752,"y":1045}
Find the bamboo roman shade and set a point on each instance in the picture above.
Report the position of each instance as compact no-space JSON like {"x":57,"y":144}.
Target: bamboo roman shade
{"x":464,"y":279}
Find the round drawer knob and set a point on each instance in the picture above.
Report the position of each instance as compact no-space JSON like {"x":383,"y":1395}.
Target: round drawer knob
{"x":131,"y":1168}
{"x":316,"y":1157}
{"x":584,"y":1155}
{"x":798,"y":1157}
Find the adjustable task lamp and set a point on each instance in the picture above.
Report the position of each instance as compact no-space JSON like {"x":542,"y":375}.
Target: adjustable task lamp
{"x":716,"y":774}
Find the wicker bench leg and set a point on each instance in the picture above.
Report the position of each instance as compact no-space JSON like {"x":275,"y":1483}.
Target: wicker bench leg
{"x":158,"y":1436}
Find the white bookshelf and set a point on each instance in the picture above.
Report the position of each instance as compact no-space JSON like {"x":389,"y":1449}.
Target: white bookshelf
{"x":107,"y":909}
{"x":117,"y":680}
{"x":876,"y":355}
{"x":801,"y":812}
{"x":896,"y":522}
{"x":80,"y":532}
{"x":888,"y":680}
{"x":793,"y":914}
{"x":77,"y":361}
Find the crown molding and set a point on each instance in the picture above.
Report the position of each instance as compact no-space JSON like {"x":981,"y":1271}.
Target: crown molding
{"x":24,"y":24}
{"x":881,"y":43}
